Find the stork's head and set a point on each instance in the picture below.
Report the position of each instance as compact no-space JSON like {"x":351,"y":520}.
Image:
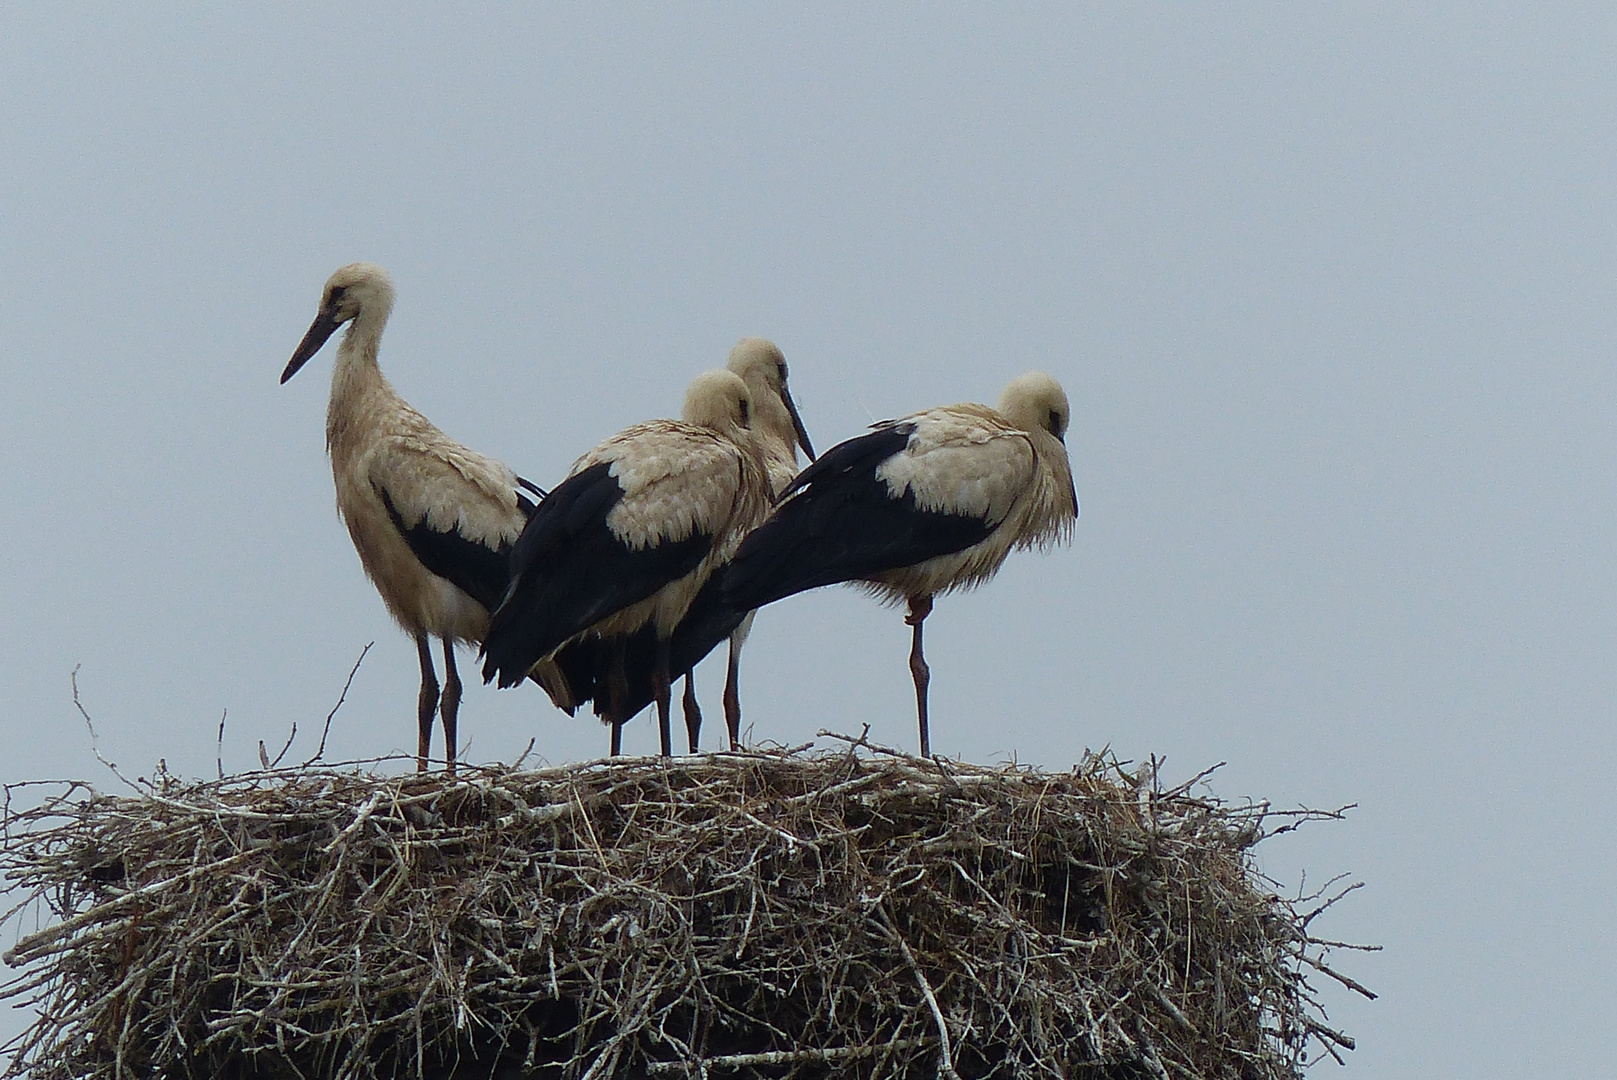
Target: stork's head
{"x":353,"y":288}
{"x":1036,"y":402}
{"x":762,"y":367}
{"x":719,"y":400}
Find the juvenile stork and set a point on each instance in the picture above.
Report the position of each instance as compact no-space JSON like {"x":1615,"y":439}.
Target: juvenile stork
{"x":779,"y":432}
{"x":922,"y":505}
{"x":433,"y":522}
{"x":628,"y":540}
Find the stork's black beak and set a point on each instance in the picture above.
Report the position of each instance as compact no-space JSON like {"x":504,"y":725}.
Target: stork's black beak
{"x":325,"y":324}
{"x":797,"y":422}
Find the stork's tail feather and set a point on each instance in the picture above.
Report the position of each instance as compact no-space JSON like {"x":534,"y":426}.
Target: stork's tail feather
{"x":556,"y":682}
{"x":511,"y":649}
{"x":501,"y":665}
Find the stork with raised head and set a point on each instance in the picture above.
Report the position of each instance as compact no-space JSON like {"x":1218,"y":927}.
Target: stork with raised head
{"x":433,"y":522}
{"x":779,"y":431}
{"x":629,"y":539}
{"x":922,"y":505}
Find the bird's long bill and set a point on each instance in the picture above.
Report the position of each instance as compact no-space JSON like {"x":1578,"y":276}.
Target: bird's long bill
{"x":323,"y":327}
{"x":797,"y":423}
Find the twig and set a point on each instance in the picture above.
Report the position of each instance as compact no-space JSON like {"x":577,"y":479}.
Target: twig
{"x":276,"y":763}
{"x":342,"y":697}
{"x":945,"y":1054}
{"x":95,"y":740}
{"x":785,"y":1057}
{"x":861,"y":741}
{"x":1323,"y":969}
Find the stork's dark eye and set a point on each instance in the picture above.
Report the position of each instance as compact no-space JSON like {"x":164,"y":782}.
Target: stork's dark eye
{"x":337,"y":294}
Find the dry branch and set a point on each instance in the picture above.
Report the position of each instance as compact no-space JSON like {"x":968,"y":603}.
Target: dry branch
{"x":858,"y":913}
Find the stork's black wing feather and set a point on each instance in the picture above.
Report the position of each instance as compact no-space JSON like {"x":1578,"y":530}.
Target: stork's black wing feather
{"x":478,"y":570}
{"x":568,"y":571}
{"x":709,"y":621}
{"x":525,"y":504}
{"x":839,"y":522}
{"x":582,"y":664}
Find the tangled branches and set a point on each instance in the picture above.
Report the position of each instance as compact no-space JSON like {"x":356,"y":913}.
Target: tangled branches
{"x":857,"y":913}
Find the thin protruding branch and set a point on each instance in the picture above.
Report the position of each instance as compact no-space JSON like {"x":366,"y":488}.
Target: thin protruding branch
{"x":320,"y":751}
{"x":95,"y":740}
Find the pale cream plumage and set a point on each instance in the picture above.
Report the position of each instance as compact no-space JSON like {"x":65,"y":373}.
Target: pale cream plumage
{"x":1006,"y":467}
{"x":776,"y":424}
{"x":577,"y":674}
{"x":631,"y":536}
{"x":697,"y":474}
{"x":385,"y":452}
{"x":779,"y":431}
{"x":922,"y":505}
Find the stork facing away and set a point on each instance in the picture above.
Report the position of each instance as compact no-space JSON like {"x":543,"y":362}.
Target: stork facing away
{"x":779,"y":432}
{"x":433,"y":522}
{"x":628,"y":540}
{"x":922,"y":505}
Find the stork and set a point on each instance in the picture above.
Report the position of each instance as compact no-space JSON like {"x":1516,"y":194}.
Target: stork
{"x":630,"y":537}
{"x":433,"y":522}
{"x":780,"y":432}
{"x":921,"y":505}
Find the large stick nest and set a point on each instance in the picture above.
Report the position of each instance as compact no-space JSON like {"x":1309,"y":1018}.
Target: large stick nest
{"x":776,"y":914}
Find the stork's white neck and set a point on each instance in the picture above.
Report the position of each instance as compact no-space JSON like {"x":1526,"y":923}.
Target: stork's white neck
{"x":771,"y":423}
{"x":356,"y":379}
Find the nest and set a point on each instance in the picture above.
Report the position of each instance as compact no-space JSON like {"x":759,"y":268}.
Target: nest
{"x":768,"y":914}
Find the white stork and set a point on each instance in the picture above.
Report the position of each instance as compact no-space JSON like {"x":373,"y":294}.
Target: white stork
{"x":922,"y":505}
{"x":433,"y":522}
{"x":779,"y":431}
{"x":630,"y":537}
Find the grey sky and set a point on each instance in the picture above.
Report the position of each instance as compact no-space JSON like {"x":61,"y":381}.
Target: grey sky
{"x":1330,"y":291}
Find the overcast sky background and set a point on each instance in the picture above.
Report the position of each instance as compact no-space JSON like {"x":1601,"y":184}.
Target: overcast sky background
{"x":1330,"y":291}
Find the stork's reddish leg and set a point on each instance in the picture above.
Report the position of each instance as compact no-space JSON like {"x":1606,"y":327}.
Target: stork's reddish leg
{"x":920,"y":608}
{"x":617,"y":692}
{"x":732,"y":695}
{"x":693,"y":711}
{"x":449,"y":704}
{"x":426,"y":703}
{"x":660,"y":682}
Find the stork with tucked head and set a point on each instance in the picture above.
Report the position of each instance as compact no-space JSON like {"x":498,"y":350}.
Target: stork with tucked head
{"x":630,"y":537}
{"x":433,"y":522}
{"x":921,"y":505}
{"x":780,"y":432}
{"x":762,"y":366}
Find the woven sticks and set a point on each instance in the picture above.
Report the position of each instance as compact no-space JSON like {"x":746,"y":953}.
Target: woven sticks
{"x":789,"y":914}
